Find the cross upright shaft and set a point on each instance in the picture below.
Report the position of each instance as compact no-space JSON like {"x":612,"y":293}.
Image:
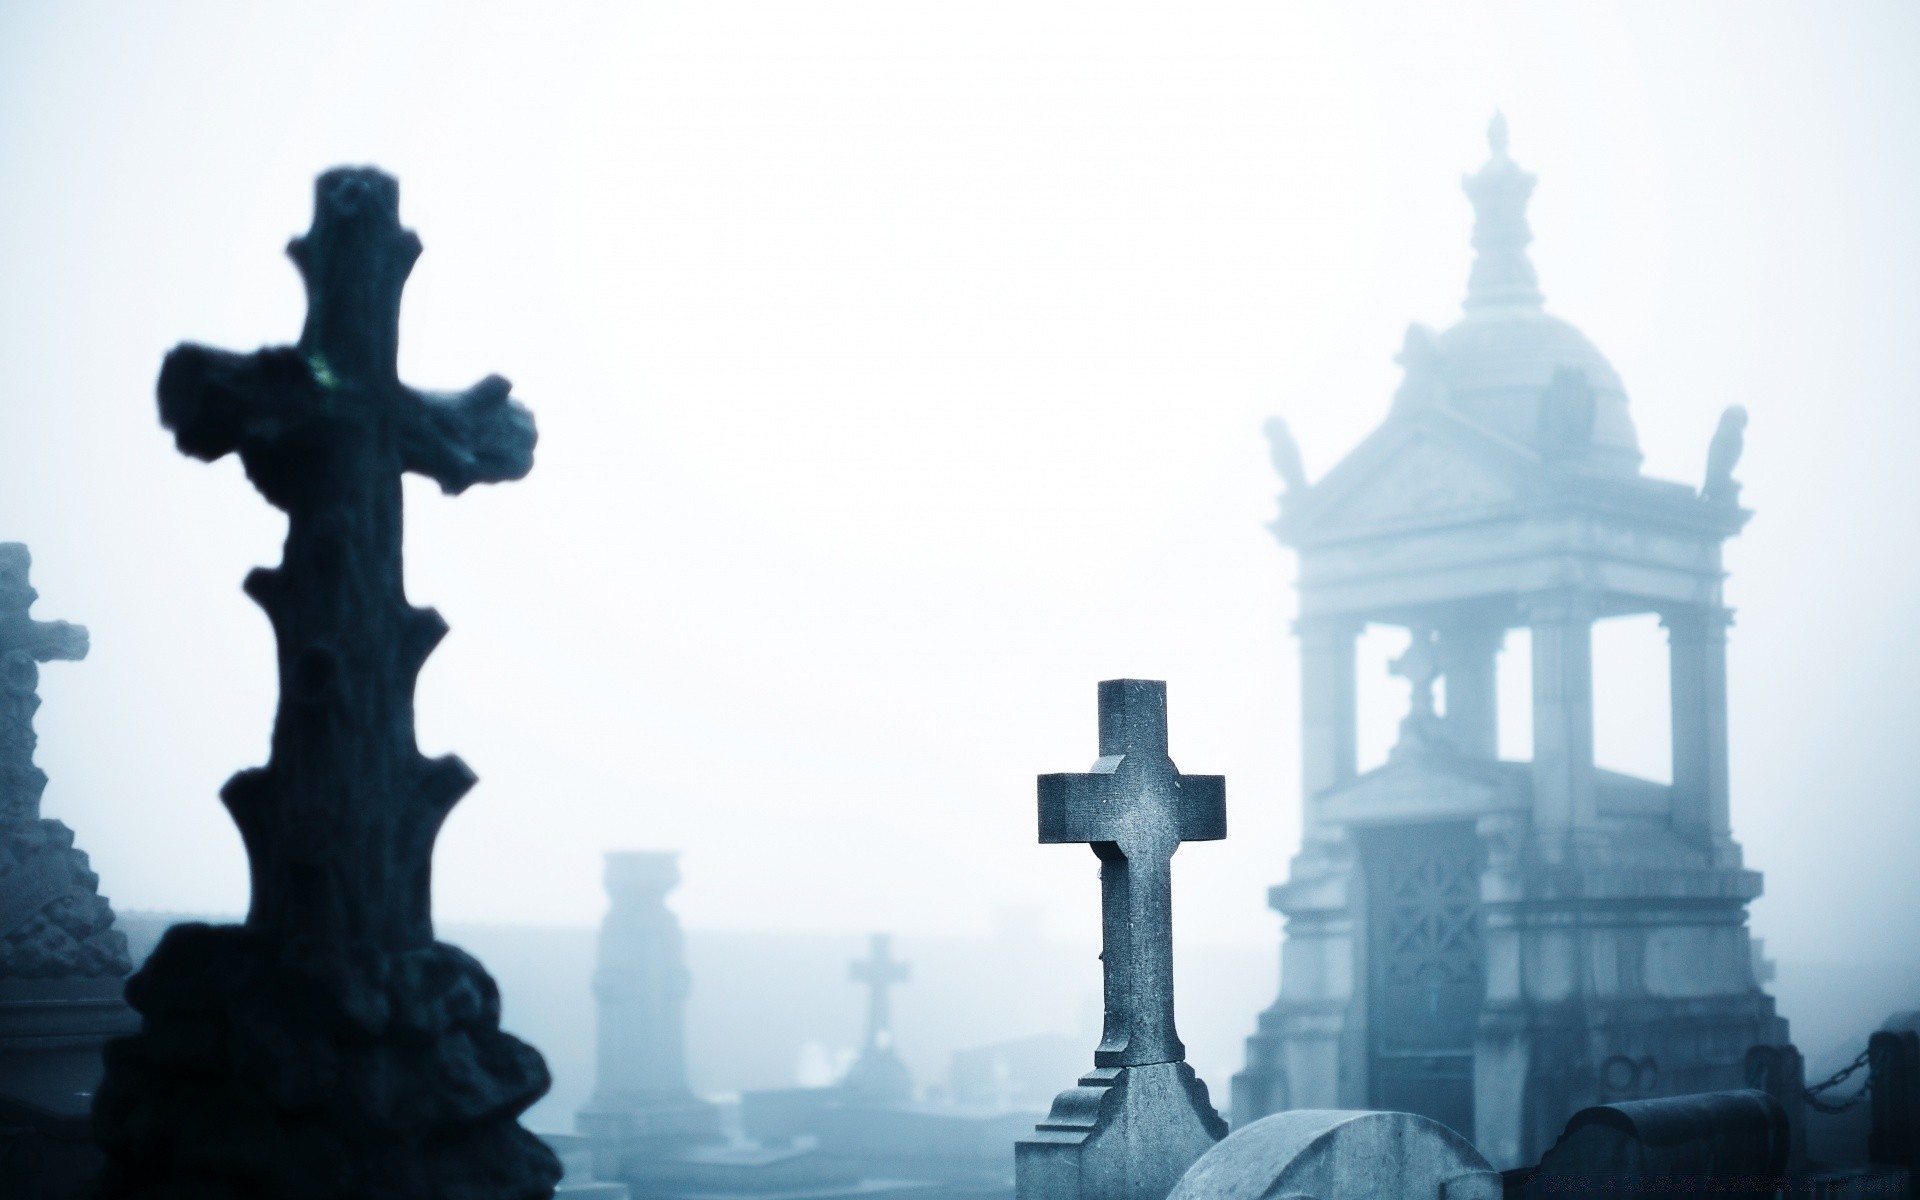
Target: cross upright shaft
{"x":1135,"y":808}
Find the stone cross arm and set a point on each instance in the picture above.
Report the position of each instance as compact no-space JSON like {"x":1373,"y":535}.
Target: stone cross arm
{"x":293,"y":406}
{"x":40,"y":641}
{"x":879,"y":968}
{"x":1133,"y":791}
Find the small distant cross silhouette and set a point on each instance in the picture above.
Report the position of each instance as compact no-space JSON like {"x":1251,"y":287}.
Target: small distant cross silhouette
{"x":1135,"y":808}
{"x":24,"y":644}
{"x":879,"y":971}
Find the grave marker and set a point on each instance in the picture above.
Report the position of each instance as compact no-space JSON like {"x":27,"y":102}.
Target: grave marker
{"x":1135,"y":1123}
{"x":330,"y":1047}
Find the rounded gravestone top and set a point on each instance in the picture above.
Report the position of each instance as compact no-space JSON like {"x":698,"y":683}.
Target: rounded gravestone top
{"x":1331,"y":1154}
{"x":642,"y":871}
{"x":1497,"y":362}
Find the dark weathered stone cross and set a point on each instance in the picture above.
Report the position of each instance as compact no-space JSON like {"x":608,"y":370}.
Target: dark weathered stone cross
{"x":879,"y":971}
{"x":24,"y":644}
{"x":1135,"y":807}
{"x":340,"y":824}
{"x":362,"y":1058}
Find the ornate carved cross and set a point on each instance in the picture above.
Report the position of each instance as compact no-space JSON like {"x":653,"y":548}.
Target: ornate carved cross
{"x":24,"y":644}
{"x":339,"y":825}
{"x":1135,"y":807}
{"x":1419,"y":665}
{"x":880,"y":971}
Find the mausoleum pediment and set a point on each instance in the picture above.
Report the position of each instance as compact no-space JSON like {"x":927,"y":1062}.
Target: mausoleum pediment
{"x":1417,"y":470}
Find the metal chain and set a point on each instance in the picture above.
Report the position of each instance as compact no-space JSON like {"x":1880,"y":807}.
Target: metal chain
{"x":1812,"y":1094}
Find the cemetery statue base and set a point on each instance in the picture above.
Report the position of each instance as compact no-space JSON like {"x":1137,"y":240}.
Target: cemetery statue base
{"x":330,"y":1047}
{"x":1141,"y":1118}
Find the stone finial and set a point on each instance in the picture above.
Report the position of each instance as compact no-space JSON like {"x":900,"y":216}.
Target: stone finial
{"x":1284,"y":452}
{"x":1567,"y":412}
{"x":1723,"y":455}
{"x":362,"y":1057}
{"x":1502,"y":273}
{"x":1421,"y":385}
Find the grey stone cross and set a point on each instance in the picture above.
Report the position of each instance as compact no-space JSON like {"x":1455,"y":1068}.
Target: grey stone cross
{"x":879,"y":971}
{"x":24,"y":644}
{"x":1135,"y":807}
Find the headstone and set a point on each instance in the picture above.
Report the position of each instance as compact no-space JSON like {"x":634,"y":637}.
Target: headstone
{"x":1706,"y":1146}
{"x":642,"y":1104}
{"x":1330,"y":1154}
{"x":330,"y":1047}
{"x":878,"y":1076}
{"x":1141,"y":1117}
{"x":62,"y":962}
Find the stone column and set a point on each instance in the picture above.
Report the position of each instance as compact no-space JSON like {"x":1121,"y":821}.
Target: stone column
{"x":1697,"y":674}
{"x":1563,"y":781}
{"x":1469,"y":662}
{"x":1328,"y":708}
{"x":641,"y":1100}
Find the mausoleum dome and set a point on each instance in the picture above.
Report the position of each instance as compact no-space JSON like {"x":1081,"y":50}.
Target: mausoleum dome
{"x":1498,"y":364}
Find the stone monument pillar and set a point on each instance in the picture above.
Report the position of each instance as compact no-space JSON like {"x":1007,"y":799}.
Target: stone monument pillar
{"x":330,"y":1048}
{"x":1563,"y":780}
{"x":641,"y":1102}
{"x":62,"y":963}
{"x":1697,"y":678}
{"x":1328,"y":704}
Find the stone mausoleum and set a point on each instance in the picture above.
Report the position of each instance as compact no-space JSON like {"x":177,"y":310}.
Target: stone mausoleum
{"x":1496,"y":944}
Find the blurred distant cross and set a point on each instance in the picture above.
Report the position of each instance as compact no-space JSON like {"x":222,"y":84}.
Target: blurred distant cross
{"x":1135,"y":808}
{"x":24,"y":644}
{"x":880,"y":971}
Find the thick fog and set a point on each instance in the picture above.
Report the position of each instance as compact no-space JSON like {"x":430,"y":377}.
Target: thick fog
{"x":899,"y":371}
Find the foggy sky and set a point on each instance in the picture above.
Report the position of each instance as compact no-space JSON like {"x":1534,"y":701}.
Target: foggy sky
{"x":899,"y":371}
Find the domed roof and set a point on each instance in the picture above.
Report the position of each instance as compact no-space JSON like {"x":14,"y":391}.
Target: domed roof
{"x":1508,"y":364}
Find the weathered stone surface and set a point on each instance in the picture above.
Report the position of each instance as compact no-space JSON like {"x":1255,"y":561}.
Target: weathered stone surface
{"x":1133,"y":1125}
{"x":1707,"y":1146}
{"x":1322,"y":1154}
{"x":330,"y":1047}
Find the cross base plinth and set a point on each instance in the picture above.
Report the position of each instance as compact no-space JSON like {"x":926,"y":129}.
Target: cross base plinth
{"x":270,"y":1068}
{"x":1125,"y":1133}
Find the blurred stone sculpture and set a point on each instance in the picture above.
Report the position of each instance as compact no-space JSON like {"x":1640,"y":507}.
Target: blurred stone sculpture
{"x":642,"y":1105}
{"x":1723,"y":455}
{"x":1141,"y":1117}
{"x":330,"y":1047}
